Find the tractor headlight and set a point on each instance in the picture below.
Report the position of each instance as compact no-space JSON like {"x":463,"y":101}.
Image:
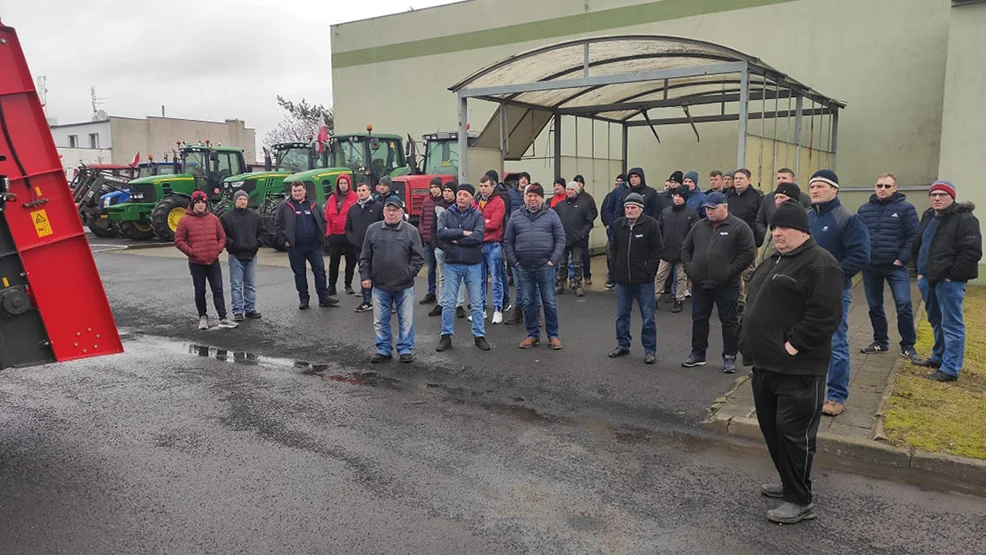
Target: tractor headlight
{"x":235,"y":184}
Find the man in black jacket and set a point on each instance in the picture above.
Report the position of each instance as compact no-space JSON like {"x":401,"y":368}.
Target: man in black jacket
{"x":586,"y":260}
{"x":365,"y":212}
{"x":675,"y":222}
{"x":794,"y":309}
{"x":638,"y":184}
{"x":947,"y":252}
{"x":299,"y":225}
{"x":715,"y":253}
{"x":576,"y":217}
{"x":244,"y":235}
{"x":635,"y":250}
{"x":744,"y":203}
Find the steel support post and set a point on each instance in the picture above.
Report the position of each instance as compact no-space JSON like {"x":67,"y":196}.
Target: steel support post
{"x":463,"y":138}
{"x":835,"y":134}
{"x":557,"y":149}
{"x":799,"y":106}
{"x":744,"y":115}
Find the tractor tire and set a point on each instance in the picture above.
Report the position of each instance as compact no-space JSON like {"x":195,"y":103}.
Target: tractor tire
{"x":136,"y":230}
{"x":165,"y":216}
{"x":101,"y":228}
{"x":222,"y":207}
{"x":267,"y":211}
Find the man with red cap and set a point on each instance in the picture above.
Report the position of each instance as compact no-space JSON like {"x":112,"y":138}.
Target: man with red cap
{"x":201,"y":237}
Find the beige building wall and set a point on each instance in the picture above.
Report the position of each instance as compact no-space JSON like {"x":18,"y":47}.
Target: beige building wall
{"x":885,"y":58}
{"x":157,"y":136}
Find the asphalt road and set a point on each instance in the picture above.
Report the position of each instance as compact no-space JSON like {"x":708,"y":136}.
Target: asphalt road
{"x":279,"y":436}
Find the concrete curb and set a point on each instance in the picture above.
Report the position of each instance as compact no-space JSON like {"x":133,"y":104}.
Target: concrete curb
{"x":148,"y":245}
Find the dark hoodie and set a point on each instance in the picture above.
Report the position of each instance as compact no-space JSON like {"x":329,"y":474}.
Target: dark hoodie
{"x":652,"y":204}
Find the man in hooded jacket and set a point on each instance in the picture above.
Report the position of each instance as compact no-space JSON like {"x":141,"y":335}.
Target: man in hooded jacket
{"x":638,"y":184}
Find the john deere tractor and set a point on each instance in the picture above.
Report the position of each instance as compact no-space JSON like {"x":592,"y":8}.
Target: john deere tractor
{"x":157,"y":202}
{"x":288,"y":159}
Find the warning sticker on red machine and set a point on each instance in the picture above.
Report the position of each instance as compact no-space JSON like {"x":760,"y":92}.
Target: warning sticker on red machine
{"x":41,"y":223}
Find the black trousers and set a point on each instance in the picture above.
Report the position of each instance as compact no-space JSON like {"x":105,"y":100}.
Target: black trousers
{"x":214,"y":274}
{"x":789,"y":409}
{"x":339,"y":247}
{"x":726,"y":300}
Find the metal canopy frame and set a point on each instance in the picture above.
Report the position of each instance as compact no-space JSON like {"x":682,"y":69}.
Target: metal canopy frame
{"x":606,"y":73}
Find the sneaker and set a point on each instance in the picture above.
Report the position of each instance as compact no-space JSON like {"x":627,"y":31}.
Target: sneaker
{"x":694,"y":359}
{"x":380,"y":357}
{"x":911,"y":355}
{"x":253,"y":315}
{"x":555,"y":343}
{"x":588,"y":280}
{"x":529,"y":342}
{"x":435,"y":310}
{"x":610,"y":285}
{"x":364,"y":307}
{"x":497,"y":317}
{"x":460,"y":312}
{"x":203,"y":322}
{"x":790,"y":513}
{"x":678,"y":306}
{"x":579,"y":292}
{"x":349,"y":290}
{"x":939,"y":376}
{"x":482,"y":344}
{"x":428,"y":299}
{"x":619,"y":352}
{"x":470,"y":316}
{"x":874,"y":348}
{"x":650,"y":358}
{"x":237,"y":317}
{"x":407,"y":357}
{"x":444,"y":343}
{"x":774,"y":491}
{"x":303,"y":305}
{"x":328,"y":301}
{"x":226,"y":323}
{"x":833,"y":408}
{"x":729,"y":364}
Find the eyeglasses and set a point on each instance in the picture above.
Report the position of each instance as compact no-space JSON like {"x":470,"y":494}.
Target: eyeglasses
{"x":938,"y":195}
{"x":884,"y":186}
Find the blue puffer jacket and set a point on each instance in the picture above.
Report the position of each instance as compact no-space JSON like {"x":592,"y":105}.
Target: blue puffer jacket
{"x":695,"y":200}
{"x":836,"y":229}
{"x":534,"y":238}
{"x":451,"y":227}
{"x":893,"y":223}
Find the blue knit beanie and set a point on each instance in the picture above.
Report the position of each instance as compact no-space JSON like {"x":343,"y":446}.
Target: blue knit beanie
{"x":693,"y":175}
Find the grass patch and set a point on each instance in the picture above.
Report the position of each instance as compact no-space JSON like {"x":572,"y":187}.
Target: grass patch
{"x":944,"y":417}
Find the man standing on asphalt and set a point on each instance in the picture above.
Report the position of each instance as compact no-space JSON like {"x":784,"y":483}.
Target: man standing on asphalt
{"x":535,"y":243}
{"x":244,"y":236}
{"x":448,"y":199}
{"x":674,"y":222}
{"x":389,"y":260}
{"x":947,"y":250}
{"x":836,"y":229}
{"x":591,"y":202}
{"x":892,"y":223}
{"x":427,"y":225}
{"x":610,"y":212}
{"x":365,"y":212}
{"x":715,"y":182}
{"x":785,"y":191}
{"x":336,"y":212}
{"x":299,"y":225}
{"x":638,"y":184}
{"x":715,"y":253}
{"x":201,"y":237}
{"x":794,"y":309}
{"x":696,"y":198}
{"x":786,"y":175}
{"x":576,"y":218}
{"x":636,"y":251}
{"x":558,"y":188}
{"x":727,"y":182}
{"x":492,"y":205}
{"x":460,"y":229}
{"x":744,"y":203}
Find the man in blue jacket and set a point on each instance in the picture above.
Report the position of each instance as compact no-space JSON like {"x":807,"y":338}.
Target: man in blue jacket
{"x":610,"y":212}
{"x":836,"y":229}
{"x":892,"y":223}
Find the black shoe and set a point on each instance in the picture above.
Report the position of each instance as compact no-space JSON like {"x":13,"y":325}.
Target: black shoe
{"x":874,"y":348}
{"x":460,"y":312}
{"x":444,"y":343}
{"x":610,"y":285}
{"x":332,"y":292}
{"x":237,"y":317}
{"x":349,"y":290}
{"x":253,"y":314}
{"x":435,"y":310}
{"x":303,"y":305}
{"x":429,"y":298}
{"x":694,"y":359}
{"x":619,"y":352}
{"x":931,"y":363}
{"x":650,"y":358}
{"x":729,"y":364}
{"x":911,"y":355}
{"x":364,"y":307}
{"x":482,"y":344}
{"x":774,"y":491}
{"x":407,"y":357}
{"x":380,"y":358}
{"x":939,"y":376}
{"x":328,"y":301}
{"x":678,"y":306}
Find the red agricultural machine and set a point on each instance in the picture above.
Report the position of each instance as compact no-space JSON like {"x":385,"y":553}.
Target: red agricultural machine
{"x":52,"y":304}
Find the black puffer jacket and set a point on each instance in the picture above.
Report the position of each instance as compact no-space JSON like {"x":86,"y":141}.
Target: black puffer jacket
{"x":715,"y":256}
{"x":652,"y":204}
{"x":675,"y":223}
{"x":956,"y":247}
{"x":745,"y":206}
{"x":635,"y":250}
{"x":244,"y":232}
{"x":359,"y":219}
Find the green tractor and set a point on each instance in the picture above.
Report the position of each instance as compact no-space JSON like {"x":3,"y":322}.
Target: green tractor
{"x":288,"y":159}
{"x":158,"y":202}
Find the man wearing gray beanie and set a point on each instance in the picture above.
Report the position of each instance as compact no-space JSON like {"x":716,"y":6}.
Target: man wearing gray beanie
{"x":244,"y":236}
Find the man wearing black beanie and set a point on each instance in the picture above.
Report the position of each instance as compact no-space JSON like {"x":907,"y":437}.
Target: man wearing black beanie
{"x":794,"y":308}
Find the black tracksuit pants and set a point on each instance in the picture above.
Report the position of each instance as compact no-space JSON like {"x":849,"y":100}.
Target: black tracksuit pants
{"x":789,"y":409}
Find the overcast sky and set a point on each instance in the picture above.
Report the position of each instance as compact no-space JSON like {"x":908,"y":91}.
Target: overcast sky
{"x":209,"y":60}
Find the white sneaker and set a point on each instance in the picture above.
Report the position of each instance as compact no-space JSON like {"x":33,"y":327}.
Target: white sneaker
{"x":203,"y":322}
{"x":226,"y":323}
{"x":470,"y":316}
{"x":497,"y":317}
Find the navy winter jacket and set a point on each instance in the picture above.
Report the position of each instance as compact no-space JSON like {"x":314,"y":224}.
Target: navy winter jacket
{"x":893,"y":224}
{"x":458,"y":247}
{"x":534,"y":238}
{"x":612,"y":210}
{"x":652,"y":204}
{"x":836,"y":229}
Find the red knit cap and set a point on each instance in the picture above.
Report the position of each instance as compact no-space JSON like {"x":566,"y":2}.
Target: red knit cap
{"x":944,"y":186}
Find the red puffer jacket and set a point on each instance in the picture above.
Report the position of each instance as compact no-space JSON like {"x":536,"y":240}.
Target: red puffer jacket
{"x":200,"y":237}
{"x":494,"y":211}
{"x":335,"y":220}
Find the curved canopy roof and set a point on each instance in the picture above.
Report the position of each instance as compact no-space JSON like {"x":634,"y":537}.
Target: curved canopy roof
{"x":616,"y":78}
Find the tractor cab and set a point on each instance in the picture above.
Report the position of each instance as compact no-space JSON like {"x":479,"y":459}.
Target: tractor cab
{"x":282,"y":160}
{"x":369,"y":156}
{"x":441,"y":159}
{"x":152,"y":168}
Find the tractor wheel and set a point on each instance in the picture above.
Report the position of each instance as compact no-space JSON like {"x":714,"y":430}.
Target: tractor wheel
{"x":267,"y":212}
{"x":101,"y":227}
{"x":136,"y":230}
{"x":222,"y":207}
{"x":165,"y":216}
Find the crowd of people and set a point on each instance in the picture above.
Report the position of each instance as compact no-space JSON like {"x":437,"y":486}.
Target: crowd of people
{"x":777,"y":267}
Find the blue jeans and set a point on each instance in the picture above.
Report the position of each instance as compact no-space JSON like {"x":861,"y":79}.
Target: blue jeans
{"x":838,"y":381}
{"x":382,"y":301}
{"x":533,"y":284}
{"x":299,"y":259}
{"x":365,"y":292}
{"x":440,"y":258}
{"x":520,"y":290}
{"x":242,"y":277}
{"x":493,"y":265}
{"x":455,"y":275}
{"x":900,"y":288}
{"x":943,"y":303}
{"x":643,"y":294}
{"x":432,"y":265}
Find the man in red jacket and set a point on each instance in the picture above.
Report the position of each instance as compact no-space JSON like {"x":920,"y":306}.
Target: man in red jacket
{"x":201,"y":237}
{"x":494,"y":210}
{"x":427,"y":226}
{"x":336,"y":210}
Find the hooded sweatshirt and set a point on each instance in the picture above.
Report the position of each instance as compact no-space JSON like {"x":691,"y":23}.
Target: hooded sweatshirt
{"x":652,"y":204}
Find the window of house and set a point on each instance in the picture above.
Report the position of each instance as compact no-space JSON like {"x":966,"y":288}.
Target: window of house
{"x":73,"y":141}
{"x":94,"y":140}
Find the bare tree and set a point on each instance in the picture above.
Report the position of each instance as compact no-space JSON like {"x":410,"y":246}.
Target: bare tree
{"x":301,"y":122}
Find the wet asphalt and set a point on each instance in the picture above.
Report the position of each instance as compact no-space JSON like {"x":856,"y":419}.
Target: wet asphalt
{"x":280,"y":437}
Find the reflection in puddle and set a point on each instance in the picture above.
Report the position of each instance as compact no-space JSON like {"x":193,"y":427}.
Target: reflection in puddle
{"x":235,"y":357}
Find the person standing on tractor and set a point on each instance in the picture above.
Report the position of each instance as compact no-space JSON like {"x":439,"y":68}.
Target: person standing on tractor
{"x":300,"y":226}
{"x":336,"y":211}
{"x":365,"y":211}
{"x":244,"y":236}
{"x":426,"y":226}
{"x":201,"y":237}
